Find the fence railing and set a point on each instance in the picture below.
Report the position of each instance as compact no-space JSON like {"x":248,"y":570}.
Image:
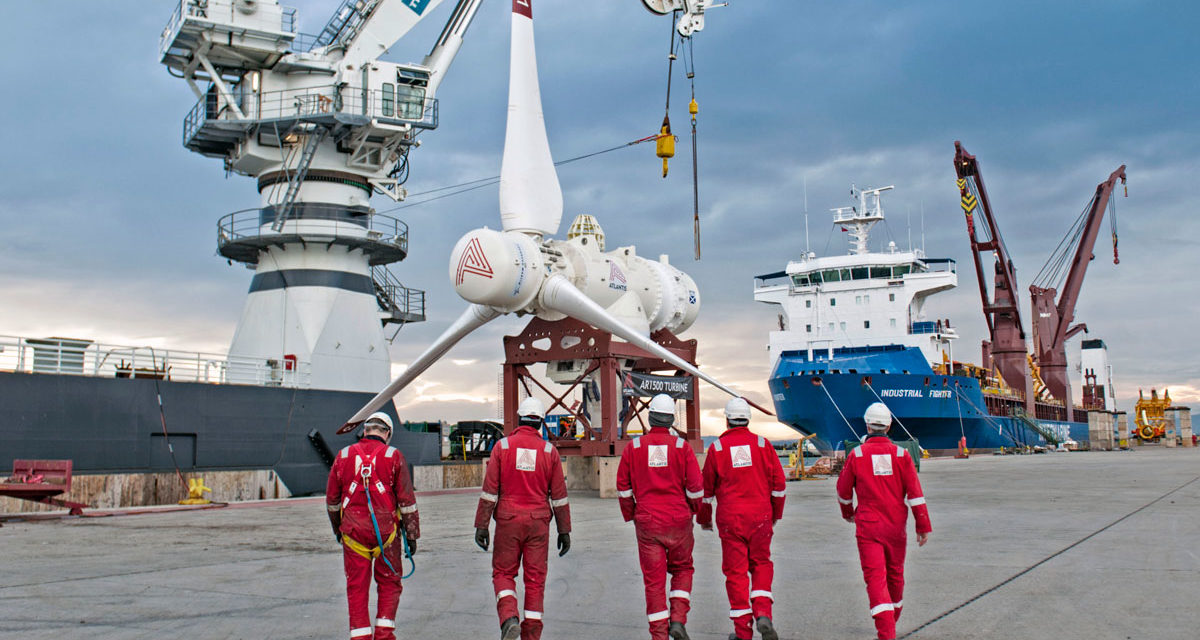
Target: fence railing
{"x":69,"y":356}
{"x":225,"y":14}
{"x":314,"y":104}
{"x":313,"y":219}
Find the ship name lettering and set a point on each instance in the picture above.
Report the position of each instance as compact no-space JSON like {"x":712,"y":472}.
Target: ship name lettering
{"x":939,"y":393}
{"x":901,"y":393}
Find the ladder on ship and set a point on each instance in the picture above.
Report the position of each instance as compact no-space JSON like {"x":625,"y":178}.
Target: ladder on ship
{"x":1020,"y":415}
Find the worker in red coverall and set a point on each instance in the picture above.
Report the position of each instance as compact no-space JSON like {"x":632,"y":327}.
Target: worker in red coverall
{"x":743,"y":474}
{"x":370,"y":468}
{"x":659,"y":487}
{"x":885,"y":479}
{"x":523,"y":485}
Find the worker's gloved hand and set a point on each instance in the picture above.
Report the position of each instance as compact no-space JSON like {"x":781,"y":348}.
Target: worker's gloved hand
{"x":338,"y":536}
{"x":482,"y":538}
{"x":850,"y":519}
{"x":706,"y":527}
{"x":564,"y":544}
{"x":922,"y":538}
{"x":412,"y":545}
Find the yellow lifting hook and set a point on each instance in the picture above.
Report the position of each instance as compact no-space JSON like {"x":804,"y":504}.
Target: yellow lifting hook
{"x":665,"y":146}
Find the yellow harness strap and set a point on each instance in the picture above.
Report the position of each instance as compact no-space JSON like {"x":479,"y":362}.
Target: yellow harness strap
{"x":365,"y":551}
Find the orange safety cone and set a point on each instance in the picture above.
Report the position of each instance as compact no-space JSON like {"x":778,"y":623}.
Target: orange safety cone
{"x":963,"y":452}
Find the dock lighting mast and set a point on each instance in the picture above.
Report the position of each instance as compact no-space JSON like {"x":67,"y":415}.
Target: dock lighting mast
{"x":322,"y":124}
{"x":1064,"y":271}
{"x":1007,"y":345}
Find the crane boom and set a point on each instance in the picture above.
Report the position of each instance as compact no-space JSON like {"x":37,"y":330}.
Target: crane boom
{"x":1000,"y":309}
{"x":1052,"y":323}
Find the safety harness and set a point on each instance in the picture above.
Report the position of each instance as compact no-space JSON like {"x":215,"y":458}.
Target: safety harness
{"x":377,"y":552}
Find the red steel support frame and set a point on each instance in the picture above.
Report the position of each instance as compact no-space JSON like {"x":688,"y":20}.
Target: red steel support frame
{"x":543,"y":341}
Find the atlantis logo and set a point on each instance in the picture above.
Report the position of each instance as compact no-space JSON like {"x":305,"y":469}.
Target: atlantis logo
{"x":473,"y":261}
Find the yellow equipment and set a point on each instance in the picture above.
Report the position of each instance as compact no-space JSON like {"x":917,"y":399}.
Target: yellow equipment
{"x":196,"y":491}
{"x":665,"y":146}
{"x":1149,"y":415}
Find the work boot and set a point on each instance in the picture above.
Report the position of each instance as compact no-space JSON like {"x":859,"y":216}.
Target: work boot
{"x":677,"y":632}
{"x":510,"y":629}
{"x":766,"y":629}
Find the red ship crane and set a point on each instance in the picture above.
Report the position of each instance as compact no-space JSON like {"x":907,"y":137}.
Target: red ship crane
{"x":1006,"y":347}
{"x":1065,"y":271}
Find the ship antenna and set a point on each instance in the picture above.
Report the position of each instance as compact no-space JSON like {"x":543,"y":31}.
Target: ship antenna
{"x":807,"y":244}
{"x":922,"y":225}
{"x":908,"y":223}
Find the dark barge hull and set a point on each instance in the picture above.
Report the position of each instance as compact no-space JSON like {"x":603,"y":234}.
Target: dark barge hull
{"x":109,"y":425}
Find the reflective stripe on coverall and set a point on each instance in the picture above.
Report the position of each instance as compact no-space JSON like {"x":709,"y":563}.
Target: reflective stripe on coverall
{"x":659,"y":487}
{"x":742,"y":473}
{"x":523,"y":486}
{"x":884,"y":477}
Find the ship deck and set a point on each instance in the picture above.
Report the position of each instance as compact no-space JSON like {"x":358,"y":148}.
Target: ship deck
{"x":1100,"y":545}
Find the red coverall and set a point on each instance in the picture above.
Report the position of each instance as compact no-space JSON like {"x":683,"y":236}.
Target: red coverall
{"x":885,"y":479}
{"x":742,"y":472}
{"x":524,"y":483}
{"x":392,"y":498}
{"x":659,"y":486}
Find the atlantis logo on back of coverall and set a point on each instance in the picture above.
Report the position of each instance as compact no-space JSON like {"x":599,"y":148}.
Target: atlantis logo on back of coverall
{"x":881,"y":464}
{"x":741,"y":456}
{"x":658,"y":455}
{"x":526,"y":459}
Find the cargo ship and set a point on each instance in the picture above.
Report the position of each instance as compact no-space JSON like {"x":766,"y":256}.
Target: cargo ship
{"x":853,"y":330}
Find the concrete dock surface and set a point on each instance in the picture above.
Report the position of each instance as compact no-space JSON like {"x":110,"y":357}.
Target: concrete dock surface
{"x":1060,"y":546}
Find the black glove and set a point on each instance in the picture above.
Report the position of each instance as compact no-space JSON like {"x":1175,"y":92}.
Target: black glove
{"x":564,"y":544}
{"x":481,"y":538}
{"x":338,"y":535}
{"x":412,"y":546}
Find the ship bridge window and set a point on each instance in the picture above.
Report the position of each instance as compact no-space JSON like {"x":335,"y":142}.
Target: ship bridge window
{"x":800,"y":281}
{"x":859,"y":273}
{"x":901,"y":270}
{"x":881,"y":272}
{"x":831,"y":275}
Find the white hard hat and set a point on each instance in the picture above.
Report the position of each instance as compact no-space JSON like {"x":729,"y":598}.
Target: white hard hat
{"x":381,"y":417}
{"x":878,"y":415}
{"x":662,"y":403}
{"x":532,"y":407}
{"x":737,"y":409}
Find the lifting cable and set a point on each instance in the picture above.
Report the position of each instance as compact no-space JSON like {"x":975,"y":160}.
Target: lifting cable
{"x":666,"y":139}
{"x":479,"y":183}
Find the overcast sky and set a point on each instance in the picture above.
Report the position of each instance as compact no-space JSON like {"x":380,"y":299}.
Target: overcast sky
{"x":107,"y":224}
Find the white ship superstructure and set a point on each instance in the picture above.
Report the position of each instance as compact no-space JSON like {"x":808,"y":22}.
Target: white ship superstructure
{"x":860,"y":299}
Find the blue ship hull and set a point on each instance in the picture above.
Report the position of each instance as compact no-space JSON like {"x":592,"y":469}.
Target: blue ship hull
{"x":827,"y":397}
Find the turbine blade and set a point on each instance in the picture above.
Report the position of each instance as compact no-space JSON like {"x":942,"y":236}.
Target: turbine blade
{"x":474,"y":317}
{"x":530,"y":196}
{"x":558,"y":294}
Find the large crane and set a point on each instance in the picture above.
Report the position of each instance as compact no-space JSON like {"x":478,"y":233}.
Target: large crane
{"x":1064,"y":271}
{"x":1006,"y":346}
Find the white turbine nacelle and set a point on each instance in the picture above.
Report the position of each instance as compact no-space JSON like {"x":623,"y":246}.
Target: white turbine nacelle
{"x":508,"y":270}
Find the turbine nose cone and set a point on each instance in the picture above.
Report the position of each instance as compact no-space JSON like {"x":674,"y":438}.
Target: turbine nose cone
{"x":499,"y":270}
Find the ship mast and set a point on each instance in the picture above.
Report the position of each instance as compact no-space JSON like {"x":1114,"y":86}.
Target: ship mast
{"x":857,"y":220}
